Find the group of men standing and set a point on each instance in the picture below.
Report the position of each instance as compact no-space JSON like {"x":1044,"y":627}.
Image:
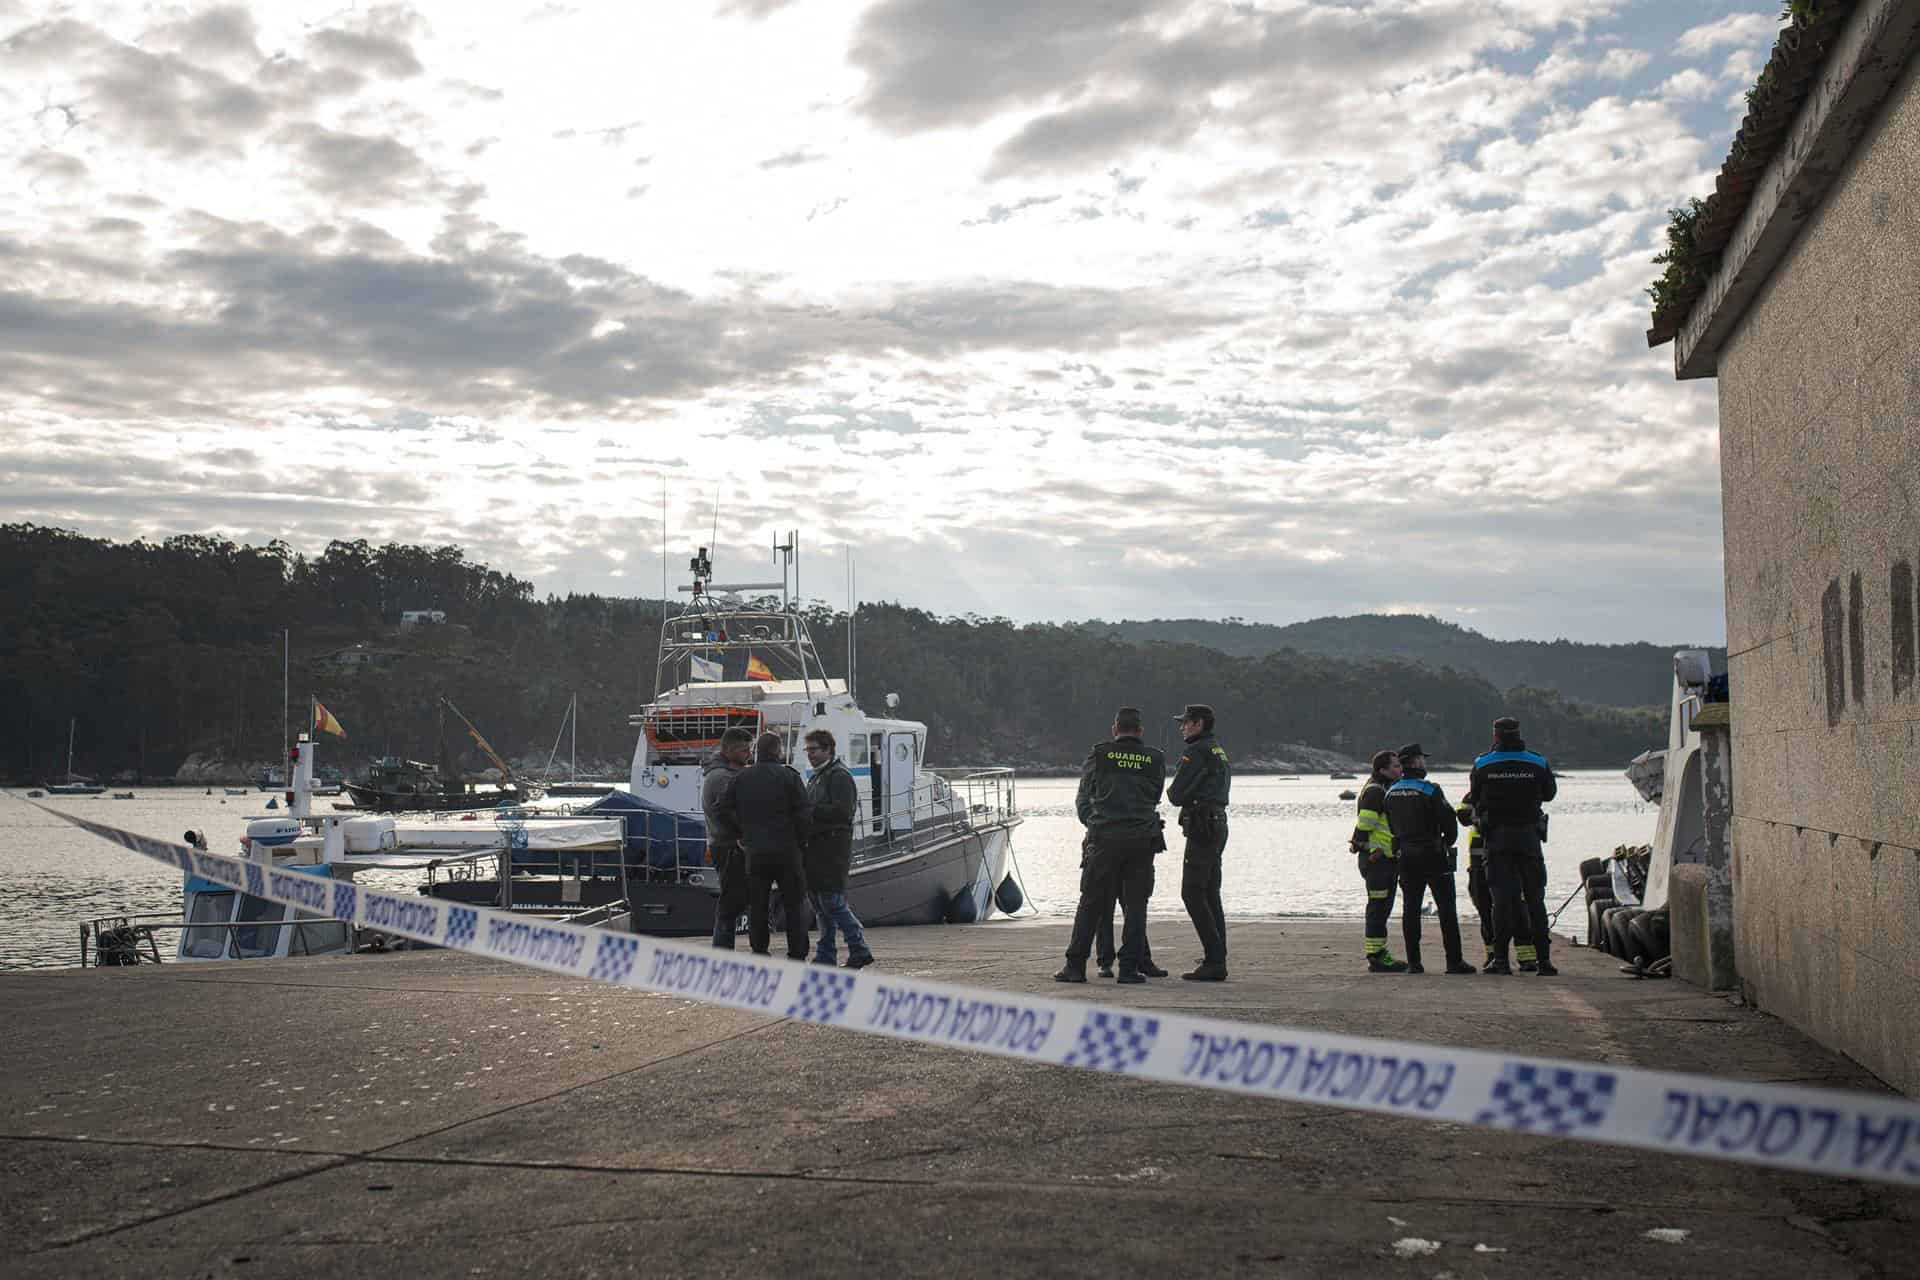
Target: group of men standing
{"x":1119,"y":805}
{"x":1407,"y":835}
{"x":767,"y":830}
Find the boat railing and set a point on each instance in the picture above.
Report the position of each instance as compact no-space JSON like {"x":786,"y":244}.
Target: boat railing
{"x":124,"y":935}
{"x":971,"y":799}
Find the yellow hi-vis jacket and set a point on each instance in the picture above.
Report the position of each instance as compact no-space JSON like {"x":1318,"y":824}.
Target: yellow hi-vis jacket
{"x":1370,"y":831}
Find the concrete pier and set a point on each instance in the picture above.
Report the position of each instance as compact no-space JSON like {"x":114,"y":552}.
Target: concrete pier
{"x":436,"y":1114}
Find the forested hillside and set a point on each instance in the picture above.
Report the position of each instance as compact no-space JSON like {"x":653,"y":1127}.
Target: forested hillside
{"x":1614,"y":675}
{"x":160,"y":651}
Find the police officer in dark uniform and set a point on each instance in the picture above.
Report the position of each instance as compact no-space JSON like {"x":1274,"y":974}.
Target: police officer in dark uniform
{"x":1482,"y":896}
{"x":1509,"y":785}
{"x":1119,"y":805}
{"x":1199,"y":790}
{"x":1424,"y":830}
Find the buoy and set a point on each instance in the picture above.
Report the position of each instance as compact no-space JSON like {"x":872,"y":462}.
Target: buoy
{"x":963,"y":907}
{"x":1008,"y":896}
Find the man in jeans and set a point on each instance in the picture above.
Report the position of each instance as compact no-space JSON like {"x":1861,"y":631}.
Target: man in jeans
{"x":768,"y":803}
{"x":723,"y":838}
{"x":835,"y":800}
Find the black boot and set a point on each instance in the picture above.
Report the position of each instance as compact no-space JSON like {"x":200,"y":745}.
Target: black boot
{"x":1544,"y":967}
{"x":1129,"y":977}
{"x":1151,"y":970}
{"x":1208,"y":971}
{"x":1457,"y":965}
{"x":1072,"y":971}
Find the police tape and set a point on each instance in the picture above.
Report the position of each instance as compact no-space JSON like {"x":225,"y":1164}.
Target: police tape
{"x":1847,"y":1134}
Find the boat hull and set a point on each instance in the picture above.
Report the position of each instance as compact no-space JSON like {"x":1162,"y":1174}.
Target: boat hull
{"x":375,"y":800}
{"x":949,"y":879}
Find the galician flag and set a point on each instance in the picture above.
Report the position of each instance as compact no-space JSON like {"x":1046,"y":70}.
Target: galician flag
{"x":758,"y":670}
{"x":323,"y":722}
{"x":704,"y":668}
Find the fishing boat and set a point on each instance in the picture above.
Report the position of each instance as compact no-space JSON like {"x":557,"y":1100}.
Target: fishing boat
{"x":75,"y":785}
{"x":398,"y":785}
{"x":931,"y":845}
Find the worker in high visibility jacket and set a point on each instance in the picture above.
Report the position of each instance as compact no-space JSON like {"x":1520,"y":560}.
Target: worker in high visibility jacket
{"x":1372,"y":844}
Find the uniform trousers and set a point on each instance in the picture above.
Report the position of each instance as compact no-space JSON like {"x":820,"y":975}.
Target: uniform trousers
{"x":1424,"y":871}
{"x":1381,"y":876}
{"x":765,"y":873}
{"x":1517,"y":878}
{"x":731,"y":862}
{"x":1116,"y":868}
{"x":1200,"y":883}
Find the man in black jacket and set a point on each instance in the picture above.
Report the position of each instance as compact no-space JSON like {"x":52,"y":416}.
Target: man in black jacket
{"x":1509,"y":785}
{"x":835,"y":800}
{"x":1119,"y":805}
{"x":1424,"y":830}
{"x":768,"y":803}
{"x":1199,"y":791}
{"x":723,"y":838}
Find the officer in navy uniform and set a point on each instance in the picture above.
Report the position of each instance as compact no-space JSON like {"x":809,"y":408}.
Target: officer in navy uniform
{"x":1119,"y":805}
{"x":1199,"y":790}
{"x":1482,"y":896}
{"x":1509,"y":785}
{"x":1424,"y":829}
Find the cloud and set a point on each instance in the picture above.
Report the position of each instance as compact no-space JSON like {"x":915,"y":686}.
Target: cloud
{"x":377,"y":43}
{"x":357,"y":168}
{"x":792,"y":159}
{"x":1739,"y":29}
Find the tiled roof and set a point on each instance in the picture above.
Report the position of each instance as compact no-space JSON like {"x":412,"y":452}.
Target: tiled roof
{"x":1774,"y":103}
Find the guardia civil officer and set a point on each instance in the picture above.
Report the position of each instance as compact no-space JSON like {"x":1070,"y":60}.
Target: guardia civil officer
{"x":1119,"y":805}
{"x":1372,"y":844}
{"x":1199,"y":790}
{"x":1509,"y":785}
{"x":1424,"y":829}
{"x":1482,"y":896}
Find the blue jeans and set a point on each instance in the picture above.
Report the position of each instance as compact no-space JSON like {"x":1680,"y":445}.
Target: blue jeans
{"x":832,"y":912}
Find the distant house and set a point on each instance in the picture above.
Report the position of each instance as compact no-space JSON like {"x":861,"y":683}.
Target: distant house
{"x":423,"y":617}
{"x":359,"y":658}
{"x":1807,"y":312}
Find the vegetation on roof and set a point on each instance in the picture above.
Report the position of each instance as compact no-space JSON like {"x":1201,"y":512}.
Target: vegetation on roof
{"x":1698,"y":230}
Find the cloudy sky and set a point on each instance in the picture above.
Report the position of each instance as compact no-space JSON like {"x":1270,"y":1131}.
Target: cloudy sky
{"x":1117,"y":308}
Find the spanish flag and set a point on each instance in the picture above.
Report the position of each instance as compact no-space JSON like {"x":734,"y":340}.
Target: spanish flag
{"x":758,"y":670}
{"x":323,"y":721}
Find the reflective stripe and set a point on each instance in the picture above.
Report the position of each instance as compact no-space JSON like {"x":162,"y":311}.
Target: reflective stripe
{"x":1500,"y":757}
{"x":1421,"y":785}
{"x":1526,"y":953}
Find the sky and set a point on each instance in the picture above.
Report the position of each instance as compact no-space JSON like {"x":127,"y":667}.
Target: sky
{"x":1090,"y":308}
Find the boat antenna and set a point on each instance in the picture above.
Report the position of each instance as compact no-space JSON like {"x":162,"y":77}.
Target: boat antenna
{"x":850,"y":612}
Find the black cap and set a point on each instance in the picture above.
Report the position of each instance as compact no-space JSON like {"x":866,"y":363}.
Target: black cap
{"x":1506,"y":724}
{"x":1196,"y":711}
{"x":1411,"y":749}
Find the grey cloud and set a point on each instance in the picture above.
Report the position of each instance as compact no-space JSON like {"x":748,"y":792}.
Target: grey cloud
{"x":791,"y":159}
{"x":377,"y":43}
{"x":752,"y":10}
{"x":487,"y":325}
{"x":935,"y":63}
{"x":55,"y":165}
{"x":472,"y":90}
{"x":363,"y":168}
{"x":1092,"y":132}
{"x":1002,"y":212}
{"x":224,"y":31}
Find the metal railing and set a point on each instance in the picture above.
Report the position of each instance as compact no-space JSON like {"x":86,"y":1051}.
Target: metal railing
{"x":960,"y":799}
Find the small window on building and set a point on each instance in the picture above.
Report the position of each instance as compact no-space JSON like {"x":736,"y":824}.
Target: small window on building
{"x":856,"y":750}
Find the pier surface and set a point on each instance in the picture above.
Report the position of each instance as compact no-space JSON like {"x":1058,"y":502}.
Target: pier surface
{"x":438,"y":1114}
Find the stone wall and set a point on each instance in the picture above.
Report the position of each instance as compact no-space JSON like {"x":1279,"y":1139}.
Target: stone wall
{"x":1820,"y":458}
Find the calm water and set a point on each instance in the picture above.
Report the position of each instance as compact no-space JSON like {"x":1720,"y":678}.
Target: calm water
{"x":1287,"y":855}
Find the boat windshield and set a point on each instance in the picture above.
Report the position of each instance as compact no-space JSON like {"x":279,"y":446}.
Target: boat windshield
{"x":251,"y":944}
{"x":208,"y":908}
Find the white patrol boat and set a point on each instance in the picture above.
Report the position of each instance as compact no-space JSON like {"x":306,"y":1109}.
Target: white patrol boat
{"x":930,"y":845}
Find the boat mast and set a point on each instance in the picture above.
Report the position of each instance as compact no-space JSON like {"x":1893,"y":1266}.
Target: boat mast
{"x":573,"y":758}
{"x":71,"y":725}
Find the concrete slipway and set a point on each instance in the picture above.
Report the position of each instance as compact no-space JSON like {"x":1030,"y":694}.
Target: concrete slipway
{"x":437,"y":1114}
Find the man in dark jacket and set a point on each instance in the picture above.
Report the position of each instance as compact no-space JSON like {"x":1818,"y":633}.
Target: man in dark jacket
{"x":1199,"y":791}
{"x":1424,"y":829}
{"x":835,"y":801}
{"x":1509,"y":785}
{"x":1119,"y":805}
{"x":723,"y":838}
{"x":768,"y":803}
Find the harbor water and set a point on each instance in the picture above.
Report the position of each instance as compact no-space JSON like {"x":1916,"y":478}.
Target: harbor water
{"x":1286,"y":857}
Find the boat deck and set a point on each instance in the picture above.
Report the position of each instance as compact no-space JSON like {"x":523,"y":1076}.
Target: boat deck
{"x":459,"y":1116}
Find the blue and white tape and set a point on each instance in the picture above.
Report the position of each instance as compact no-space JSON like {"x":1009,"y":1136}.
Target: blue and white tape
{"x":1846,"y":1134}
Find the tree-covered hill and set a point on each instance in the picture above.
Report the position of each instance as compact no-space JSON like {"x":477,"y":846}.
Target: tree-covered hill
{"x":1614,"y":675}
{"x":160,"y":651}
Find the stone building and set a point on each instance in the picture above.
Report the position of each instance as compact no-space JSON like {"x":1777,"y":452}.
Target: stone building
{"x":1807,"y":310}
